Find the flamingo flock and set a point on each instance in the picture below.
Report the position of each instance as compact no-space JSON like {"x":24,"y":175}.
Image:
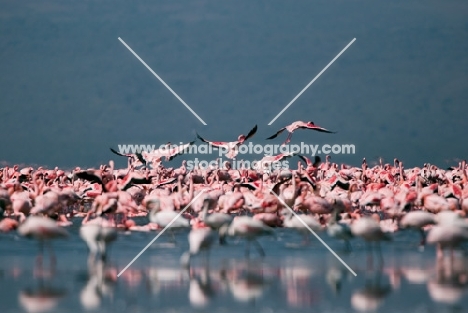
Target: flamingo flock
{"x":345,"y":202}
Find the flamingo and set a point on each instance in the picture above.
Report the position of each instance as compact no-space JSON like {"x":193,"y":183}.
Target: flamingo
{"x":296,"y":221}
{"x":169,"y":152}
{"x":165,"y":217}
{"x":447,"y":236}
{"x":369,"y":229}
{"x":134,"y":159}
{"x":200,"y":239}
{"x":42,"y":229}
{"x":418,"y":220}
{"x":97,"y":234}
{"x":248,"y":228}
{"x":299,"y":125}
{"x":231,"y":147}
{"x":6,"y":224}
{"x":215,"y":220}
{"x":268,"y":218}
{"x":339,"y":230}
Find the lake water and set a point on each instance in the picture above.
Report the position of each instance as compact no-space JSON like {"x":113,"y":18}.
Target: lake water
{"x":291,"y":278}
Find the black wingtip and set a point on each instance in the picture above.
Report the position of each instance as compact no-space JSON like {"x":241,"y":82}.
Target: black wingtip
{"x":141,"y":158}
{"x":113,"y":151}
{"x":317,"y":160}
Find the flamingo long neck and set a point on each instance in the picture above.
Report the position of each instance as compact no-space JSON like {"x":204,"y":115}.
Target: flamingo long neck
{"x":289,"y":215}
{"x":156,"y":209}
{"x":204,"y":214}
{"x":334,"y":217}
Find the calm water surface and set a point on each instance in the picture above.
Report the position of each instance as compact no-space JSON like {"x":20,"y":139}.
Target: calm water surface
{"x":291,"y":278}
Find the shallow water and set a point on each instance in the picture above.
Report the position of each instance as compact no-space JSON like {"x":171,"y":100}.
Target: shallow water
{"x":291,"y":278}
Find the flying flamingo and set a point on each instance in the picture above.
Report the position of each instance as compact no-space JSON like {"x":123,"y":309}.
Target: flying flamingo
{"x":134,"y":159}
{"x":169,"y":152}
{"x":297,"y":125}
{"x":231,"y":147}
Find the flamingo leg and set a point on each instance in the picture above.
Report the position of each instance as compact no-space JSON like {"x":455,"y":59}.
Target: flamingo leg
{"x":288,"y":139}
{"x":379,"y":251}
{"x":247,"y":249}
{"x":422,"y":244}
{"x":222,"y":240}
{"x":348,"y":246}
{"x":40,"y":255}
{"x":91,"y":259}
{"x":173,"y":240}
{"x":440,"y":252}
{"x":259,"y":248}
{"x":53,"y":259}
{"x":103,"y":252}
{"x":451,"y":257}
{"x":306,"y":241}
{"x":369,"y":255}
{"x":207,"y":257}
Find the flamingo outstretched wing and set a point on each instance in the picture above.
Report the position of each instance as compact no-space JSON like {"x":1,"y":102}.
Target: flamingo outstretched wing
{"x":251,"y":133}
{"x":319,"y":129}
{"x":277,"y":133}
{"x":305,"y":159}
{"x":89,"y":176}
{"x":180,"y":150}
{"x":309,"y":163}
{"x":118,"y":153}
{"x":129,"y":155}
{"x":213,"y":143}
{"x":136,"y":181}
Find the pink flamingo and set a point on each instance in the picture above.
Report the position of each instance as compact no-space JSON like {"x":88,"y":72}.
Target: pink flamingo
{"x":248,"y":228}
{"x":418,"y":220}
{"x":7,"y":224}
{"x":98,"y":233}
{"x":299,"y":125}
{"x":134,"y":159}
{"x":369,"y":229}
{"x":231,"y":147}
{"x":201,"y":238}
{"x":215,"y":220}
{"x":42,"y":229}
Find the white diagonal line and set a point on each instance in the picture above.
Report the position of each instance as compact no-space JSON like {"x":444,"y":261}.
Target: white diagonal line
{"x":320,"y":239}
{"x":162,"y":231}
{"x":162,"y":81}
{"x":313,"y":80}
